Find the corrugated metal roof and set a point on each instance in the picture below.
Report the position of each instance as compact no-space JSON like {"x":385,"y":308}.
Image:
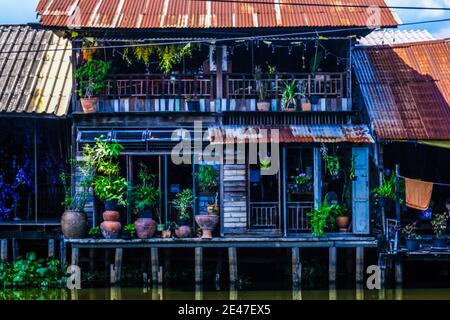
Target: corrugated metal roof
{"x":291,"y":134}
{"x":390,"y":37}
{"x":206,"y":14}
{"x":406,"y":89}
{"x":34,"y":77}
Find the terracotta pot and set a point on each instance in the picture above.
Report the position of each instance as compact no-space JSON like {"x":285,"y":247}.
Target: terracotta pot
{"x":111,"y":229}
{"x":166,"y":234}
{"x":306,"y":106}
{"x":263,"y":106}
{"x":145,"y":228}
{"x":343,"y":223}
{"x":74,"y":224}
{"x":207,"y":223}
{"x":111,"y":216}
{"x":183,"y":232}
{"x":89,"y":105}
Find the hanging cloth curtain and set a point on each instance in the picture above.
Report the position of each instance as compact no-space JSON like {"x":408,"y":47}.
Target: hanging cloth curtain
{"x":418,"y":193}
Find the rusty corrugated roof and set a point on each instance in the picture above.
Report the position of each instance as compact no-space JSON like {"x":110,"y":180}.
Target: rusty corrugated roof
{"x":406,"y":89}
{"x":35,"y":71}
{"x":206,"y":14}
{"x":290,"y":134}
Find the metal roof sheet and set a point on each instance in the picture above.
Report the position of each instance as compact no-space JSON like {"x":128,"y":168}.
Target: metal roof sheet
{"x":35,"y":74}
{"x":290,"y":134}
{"x":406,"y":89}
{"x":132,"y":14}
{"x":388,"y":37}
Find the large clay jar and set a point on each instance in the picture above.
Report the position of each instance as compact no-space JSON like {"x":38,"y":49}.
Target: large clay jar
{"x":74,"y":224}
{"x":183,"y":232}
{"x":207,"y":223}
{"x":145,"y":228}
{"x":111,"y":226}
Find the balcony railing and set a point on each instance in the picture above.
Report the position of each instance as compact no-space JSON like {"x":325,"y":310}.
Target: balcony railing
{"x":298,"y":219}
{"x":264,"y":215}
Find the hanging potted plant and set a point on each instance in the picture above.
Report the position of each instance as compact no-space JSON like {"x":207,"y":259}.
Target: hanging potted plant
{"x":262,"y":104}
{"x":289,"y":96}
{"x":439,"y":226}
{"x":303,"y":182}
{"x":91,"y":81}
{"x":332,"y":163}
{"x":146,"y":198}
{"x":412,"y":243}
{"x":184,"y":202}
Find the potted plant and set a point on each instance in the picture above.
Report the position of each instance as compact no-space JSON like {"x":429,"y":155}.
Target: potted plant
{"x":412,"y":238}
{"x":95,"y":232}
{"x":385,"y":193}
{"x":183,"y":202}
{"x":323,"y":217}
{"x":129,"y":232}
{"x":342,"y":218}
{"x":168,"y":230}
{"x":439,"y":226}
{"x":74,"y":220}
{"x":332,"y":162}
{"x":91,"y":76}
{"x":261,"y":86}
{"x":289,"y":96}
{"x":146,"y":198}
{"x":207,"y":181}
{"x":109,"y":186}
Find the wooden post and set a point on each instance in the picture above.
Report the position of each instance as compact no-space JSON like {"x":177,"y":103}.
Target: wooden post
{"x":332,"y":265}
{"x":359,"y":265}
{"x":218,"y":269}
{"x":4,"y":250}
{"x":359,"y":291}
{"x":296,"y":268}
{"x":199,"y":265}
{"x":15,"y":249}
{"x":116,"y":269}
{"x":155,"y":265}
{"x":115,"y":292}
{"x":398,"y":272}
{"x":51,"y":248}
{"x":219,"y":72}
{"x":75,"y":256}
{"x":63,"y":252}
{"x":397,"y":195}
{"x":91,"y":259}
{"x":317,"y":178}
{"x":232,"y":262}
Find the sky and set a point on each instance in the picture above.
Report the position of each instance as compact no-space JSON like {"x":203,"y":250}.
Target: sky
{"x":22,"y":11}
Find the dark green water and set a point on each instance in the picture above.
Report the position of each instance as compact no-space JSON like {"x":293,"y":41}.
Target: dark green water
{"x":166,"y":294}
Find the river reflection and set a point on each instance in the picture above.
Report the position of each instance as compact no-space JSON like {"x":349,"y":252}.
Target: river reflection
{"x":159,"y":293}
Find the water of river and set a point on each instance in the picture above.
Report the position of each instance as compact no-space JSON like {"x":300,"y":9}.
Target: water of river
{"x":166,"y":294}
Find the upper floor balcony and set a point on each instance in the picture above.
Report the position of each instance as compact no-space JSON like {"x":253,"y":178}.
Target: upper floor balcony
{"x":239,"y":92}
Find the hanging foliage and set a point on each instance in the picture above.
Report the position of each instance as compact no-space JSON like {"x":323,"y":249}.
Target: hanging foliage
{"x":89,"y":50}
{"x":168,"y":55}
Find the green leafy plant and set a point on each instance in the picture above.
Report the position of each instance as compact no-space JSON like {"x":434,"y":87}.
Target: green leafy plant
{"x":207,"y":179}
{"x":410,"y":230}
{"x":331,"y":161}
{"x":31,"y":272}
{"x":302,"y":179}
{"x":439,"y":224}
{"x":184,"y":202}
{"x":290,"y":95}
{"x":131,"y":229}
{"x":95,"y":232}
{"x":108,"y":184}
{"x":91,"y":76}
{"x":324,"y":217}
{"x":264,"y":163}
{"x":146,"y":194}
{"x":386,"y":189}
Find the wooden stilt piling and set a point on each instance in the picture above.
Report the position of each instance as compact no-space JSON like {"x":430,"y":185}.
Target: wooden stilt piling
{"x":51,"y":248}
{"x":91,"y":259}
{"x":116,"y":269}
{"x":217,"y":279}
{"x":359,"y":265}
{"x":75,"y":256}
{"x":15,"y":249}
{"x":4,"y":250}
{"x":296,"y":269}
{"x":199,"y":265}
{"x":332,"y":265}
{"x":155,"y":265}
{"x":398,"y":266}
{"x":232,"y":262}
{"x":63,"y":252}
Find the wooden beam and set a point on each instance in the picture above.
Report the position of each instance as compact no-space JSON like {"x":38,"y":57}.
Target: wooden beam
{"x":317,"y":178}
{"x":332,"y":252}
{"x":75,"y":256}
{"x":398,"y":266}
{"x":15,"y":249}
{"x":62,"y":252}
{"x":296,"y":269}
{"x":199,"y":265}
{"x":155,"y":265}
{"x":284,"y":191}
{"x":4,"y":250}
{"x":219,"y":261}
{"x":359,"y":264}
{"x":51,"y":248}
{"x":232,"y":262}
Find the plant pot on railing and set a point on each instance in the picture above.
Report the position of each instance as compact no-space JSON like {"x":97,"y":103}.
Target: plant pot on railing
{"x":263,"y":106}
{"x":111,"y":226}
{"x":89,"y":105}
{"x":74,"y":224}
{"x":306,"y":105}
{"x":207,"y":222}
{"x":343,"y":222}
{"x":183,"y":230}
